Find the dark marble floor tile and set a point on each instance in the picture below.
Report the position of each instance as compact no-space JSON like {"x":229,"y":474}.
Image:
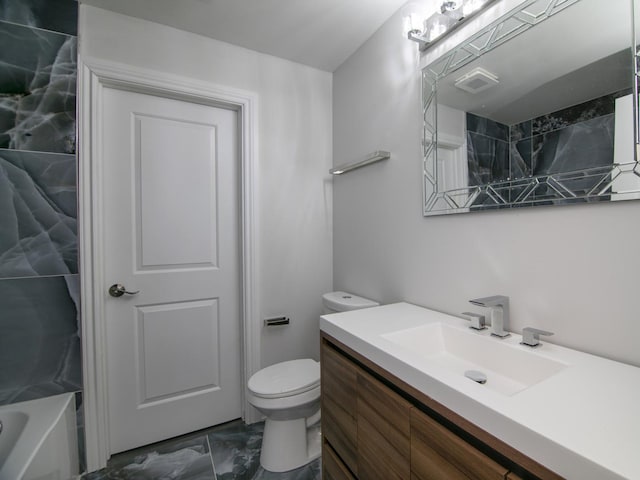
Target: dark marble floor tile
{"x":181,"y":459}
{"x":39,"y":340}
{"x":57,"y":15}
{"x":235,"y":449}
{"x":312,"y":471}
{"x":38,"y":214}
{"x":37,"y":89}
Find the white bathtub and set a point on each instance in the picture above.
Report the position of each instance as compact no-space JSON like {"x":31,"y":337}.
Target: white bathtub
{"x":39,"y":439}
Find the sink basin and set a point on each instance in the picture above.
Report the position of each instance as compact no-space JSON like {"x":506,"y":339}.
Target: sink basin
{"x":509,"y":368}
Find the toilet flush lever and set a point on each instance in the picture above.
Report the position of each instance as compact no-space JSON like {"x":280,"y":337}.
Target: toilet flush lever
{"x":118,"y":290}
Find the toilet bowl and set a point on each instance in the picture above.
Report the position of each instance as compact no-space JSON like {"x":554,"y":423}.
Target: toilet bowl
{"x":288,"y":395}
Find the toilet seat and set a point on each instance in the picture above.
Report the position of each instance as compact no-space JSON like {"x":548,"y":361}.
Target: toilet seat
{"x":285,"y":379}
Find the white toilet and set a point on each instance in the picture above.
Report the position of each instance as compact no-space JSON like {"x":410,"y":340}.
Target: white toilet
{"x":288,"y":395}
{"x":343,"y":302}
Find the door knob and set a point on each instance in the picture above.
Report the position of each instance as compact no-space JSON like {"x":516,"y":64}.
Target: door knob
{"x":118,"y":290}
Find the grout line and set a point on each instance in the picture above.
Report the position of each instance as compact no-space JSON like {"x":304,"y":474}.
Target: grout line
{"x":215,"y":476}
{"x":36,"y":152}
{"x":34,"y":27}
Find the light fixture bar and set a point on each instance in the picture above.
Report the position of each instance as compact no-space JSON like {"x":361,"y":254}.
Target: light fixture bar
{"x":445,"y":20}
{"x":369,"y":159}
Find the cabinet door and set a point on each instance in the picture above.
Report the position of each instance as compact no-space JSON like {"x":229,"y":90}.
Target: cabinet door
{"x":339,"y":403}
{"x":439,"y":454}
{"x":332,"y":466}
{"x":383,"y":431}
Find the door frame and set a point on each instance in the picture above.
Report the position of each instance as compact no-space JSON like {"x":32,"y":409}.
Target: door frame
{"x":93,"y":77}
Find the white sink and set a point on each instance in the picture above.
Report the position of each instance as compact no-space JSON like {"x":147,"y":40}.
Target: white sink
{"x":546,"y":402}
{"x":509,"y":368}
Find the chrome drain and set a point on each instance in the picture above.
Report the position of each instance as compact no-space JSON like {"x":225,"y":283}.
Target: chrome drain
{"x":476,"y":376}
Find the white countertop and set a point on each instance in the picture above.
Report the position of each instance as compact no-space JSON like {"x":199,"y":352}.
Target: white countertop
{"x":582,"y":423}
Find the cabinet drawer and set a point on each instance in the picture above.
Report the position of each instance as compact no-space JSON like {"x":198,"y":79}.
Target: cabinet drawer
{"x":332,"y":467}
{"x":383,"y":431}
{"x":439,"y":454}
{"x":339,"y":404}
{"x":339,"y":379}
{"x":341,"y":431}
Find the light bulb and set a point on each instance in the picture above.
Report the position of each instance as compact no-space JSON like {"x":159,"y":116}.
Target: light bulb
{"x":435,"y":31}
{"x":413,"y":16}
{"x":412,"y":23}
{"x":471,"y":6}
{"x":450,"y":5}
{"x":436,"y":25}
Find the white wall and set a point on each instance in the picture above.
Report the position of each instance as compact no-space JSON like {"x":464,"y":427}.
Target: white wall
{"x":571,"y":270}
{"x":294,"y":156}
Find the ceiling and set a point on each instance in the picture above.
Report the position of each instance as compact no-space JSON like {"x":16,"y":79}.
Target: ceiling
{"x":321,"y":34}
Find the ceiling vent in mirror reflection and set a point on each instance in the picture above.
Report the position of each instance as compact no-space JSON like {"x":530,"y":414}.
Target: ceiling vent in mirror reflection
{"x":477,"y":80}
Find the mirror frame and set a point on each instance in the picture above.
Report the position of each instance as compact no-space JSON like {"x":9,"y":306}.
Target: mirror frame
{"x":508,"y":26}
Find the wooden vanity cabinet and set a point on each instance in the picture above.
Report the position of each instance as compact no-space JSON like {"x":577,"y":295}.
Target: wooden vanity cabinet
{"x":439,"y":454}
{"x":384,"y":431}
{"x":332,"y":466}
{"x":375,"y":427}
{"x":338,"y":377}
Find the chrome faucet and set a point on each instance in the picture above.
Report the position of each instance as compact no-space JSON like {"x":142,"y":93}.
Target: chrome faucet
{"x":531,"y":336}
{"x":478,"y":321}
{"x":499,"y":305}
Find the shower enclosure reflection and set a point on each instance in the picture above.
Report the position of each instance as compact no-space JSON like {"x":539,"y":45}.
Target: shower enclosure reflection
{"x":535,"y":109}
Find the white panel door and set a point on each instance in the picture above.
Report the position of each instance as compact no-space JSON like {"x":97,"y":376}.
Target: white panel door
{"x":171,"y":233}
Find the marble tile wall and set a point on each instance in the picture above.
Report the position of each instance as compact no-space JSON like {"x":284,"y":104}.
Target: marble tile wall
{"x":39,"y":294}
{"x":487,"y":153}
{"x":574,"y":138}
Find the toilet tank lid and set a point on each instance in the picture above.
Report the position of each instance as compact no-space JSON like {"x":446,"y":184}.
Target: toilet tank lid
{"x":344,"y":301}
{"x":286,"y":378}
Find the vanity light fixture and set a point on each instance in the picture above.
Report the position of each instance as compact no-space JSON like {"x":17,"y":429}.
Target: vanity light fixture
{"x":425,"y":29}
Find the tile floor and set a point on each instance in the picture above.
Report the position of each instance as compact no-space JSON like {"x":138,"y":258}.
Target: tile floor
{"x":227,"y":452}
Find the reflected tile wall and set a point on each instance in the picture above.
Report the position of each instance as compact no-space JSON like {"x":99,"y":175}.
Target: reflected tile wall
{"x":578,"y":146}
{"x":487,"y":150}
{"x":487,"y":153}
{"x":575,"y":138}
{"x":582,"y":112}
{"x":538,"y":146}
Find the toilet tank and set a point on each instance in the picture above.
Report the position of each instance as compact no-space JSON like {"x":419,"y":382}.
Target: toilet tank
{"x":343,"y":301}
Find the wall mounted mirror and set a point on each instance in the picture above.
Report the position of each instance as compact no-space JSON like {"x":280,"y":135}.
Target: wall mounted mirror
{"x":537,"y":108}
